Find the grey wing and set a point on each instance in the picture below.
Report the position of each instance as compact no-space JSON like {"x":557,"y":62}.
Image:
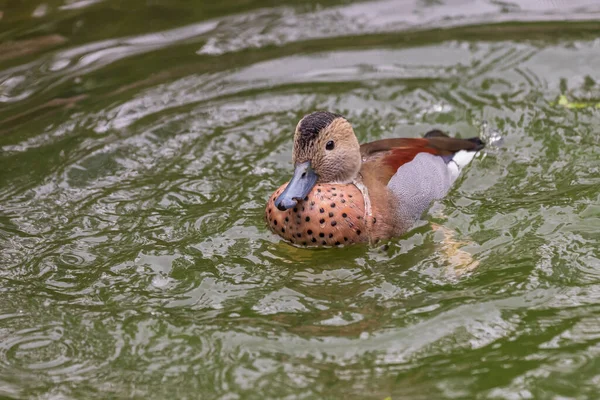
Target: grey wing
{"x":424,"y":179}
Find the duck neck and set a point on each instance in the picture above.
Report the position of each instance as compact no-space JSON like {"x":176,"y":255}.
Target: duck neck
{"x":368,"y":215}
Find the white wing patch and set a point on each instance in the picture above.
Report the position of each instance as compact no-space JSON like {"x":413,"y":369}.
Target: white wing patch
{"x":460,"y":160}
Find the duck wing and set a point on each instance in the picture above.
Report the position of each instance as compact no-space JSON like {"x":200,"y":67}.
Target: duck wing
{"x":388,"y":155}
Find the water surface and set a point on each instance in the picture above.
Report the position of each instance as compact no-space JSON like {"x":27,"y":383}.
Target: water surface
{"x":140,"y":140}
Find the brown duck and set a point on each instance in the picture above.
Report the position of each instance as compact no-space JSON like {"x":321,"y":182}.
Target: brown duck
{"x":342,"y":192}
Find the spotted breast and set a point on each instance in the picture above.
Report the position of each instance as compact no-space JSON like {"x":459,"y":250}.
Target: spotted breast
{"x":330,"y":215}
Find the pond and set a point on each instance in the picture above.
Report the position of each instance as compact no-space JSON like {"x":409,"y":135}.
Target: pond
{"x":140,"y":141}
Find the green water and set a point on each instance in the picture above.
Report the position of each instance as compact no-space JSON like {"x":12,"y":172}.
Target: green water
{"x":139,"y":142}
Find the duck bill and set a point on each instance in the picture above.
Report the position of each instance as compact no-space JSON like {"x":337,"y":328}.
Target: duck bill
{"x":302,"y":182}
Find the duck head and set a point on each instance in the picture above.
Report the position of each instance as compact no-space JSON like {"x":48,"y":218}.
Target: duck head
{"x":325,"y":151}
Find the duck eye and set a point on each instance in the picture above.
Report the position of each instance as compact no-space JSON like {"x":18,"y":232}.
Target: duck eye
{"x":329,"y":145}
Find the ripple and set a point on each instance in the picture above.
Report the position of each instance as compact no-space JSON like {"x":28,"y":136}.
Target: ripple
{"x":41,"y":348}
{"x":89,"y":57}
{"x":285,"y":25}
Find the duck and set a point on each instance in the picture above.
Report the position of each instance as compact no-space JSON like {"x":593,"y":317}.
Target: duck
{"x":343,"y":193}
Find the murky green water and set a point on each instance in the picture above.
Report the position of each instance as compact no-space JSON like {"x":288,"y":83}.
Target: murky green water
{"x":140,"y":140}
